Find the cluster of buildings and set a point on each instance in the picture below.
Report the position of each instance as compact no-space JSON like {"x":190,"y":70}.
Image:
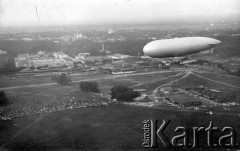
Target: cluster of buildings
{"x":178,"y":97}
{"x":227,"y":66}
{"x":214,"y":95}
{"x":85,"y":63}
{"x":197,"y":97}
{"x":213,"y":64}
{"x":2,"y":52}
{"x":113,"y":63}
{"x":43,"y":59}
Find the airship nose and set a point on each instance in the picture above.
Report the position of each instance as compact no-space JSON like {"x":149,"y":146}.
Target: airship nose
{"x":147,"y":49}
{"x":214,"y":42}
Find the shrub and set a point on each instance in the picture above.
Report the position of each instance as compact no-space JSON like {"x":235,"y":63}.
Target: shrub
{"x":123,"y":93}
{"x":87,"y":86}
{"x":62,"y":78}
{"x":3,"y":99}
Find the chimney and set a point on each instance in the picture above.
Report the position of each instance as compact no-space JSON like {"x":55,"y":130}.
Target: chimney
{"x":102,"y":46}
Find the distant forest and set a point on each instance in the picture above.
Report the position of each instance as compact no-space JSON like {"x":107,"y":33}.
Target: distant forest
{"x":15,"y":47}
{"x":229,"y":47}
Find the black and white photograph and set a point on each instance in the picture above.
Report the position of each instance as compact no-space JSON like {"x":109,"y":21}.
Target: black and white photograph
{"x":119,"y":75}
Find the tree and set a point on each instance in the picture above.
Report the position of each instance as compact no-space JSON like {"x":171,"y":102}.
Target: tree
{"x":3,"y":99}
{"x":32,"y":67}
{"x":39,"y":67}
{"x":62,"y":78}
{"x":9,"y":67}
{"x":87,"y":86}
{"x":123,"y":93}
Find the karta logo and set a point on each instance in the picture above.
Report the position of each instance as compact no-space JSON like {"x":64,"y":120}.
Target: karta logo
{"x":153,"y":133}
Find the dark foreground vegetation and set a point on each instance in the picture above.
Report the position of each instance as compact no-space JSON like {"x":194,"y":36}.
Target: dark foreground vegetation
{"x":89,"y":86}
{"x":123,"y":93}
{"x":3,"y":99}
{"x":63,"y":78}
{"x":116,"y":127}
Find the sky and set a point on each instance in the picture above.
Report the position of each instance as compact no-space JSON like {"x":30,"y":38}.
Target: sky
{"x":71,"y":12}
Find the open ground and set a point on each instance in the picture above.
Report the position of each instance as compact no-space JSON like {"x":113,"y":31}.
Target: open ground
{"x":81,"y":125}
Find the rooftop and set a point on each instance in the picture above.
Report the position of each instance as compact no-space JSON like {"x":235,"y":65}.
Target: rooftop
{"x":2,"y":52}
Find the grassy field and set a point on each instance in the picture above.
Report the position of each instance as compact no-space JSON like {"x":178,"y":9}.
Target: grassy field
{"x":8,"y":81}
{"x":34,"y":100}
{"x":226,"y":90}
{"x":113,"y":127}
{"x":194,"y":81}
{"x":223,"y":78}
{"x":117,"y":127}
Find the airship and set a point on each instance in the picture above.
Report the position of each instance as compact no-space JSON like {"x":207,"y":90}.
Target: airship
{"x":179,"y":46}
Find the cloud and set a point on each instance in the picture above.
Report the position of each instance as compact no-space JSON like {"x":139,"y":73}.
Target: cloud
{"x":1,"y":8}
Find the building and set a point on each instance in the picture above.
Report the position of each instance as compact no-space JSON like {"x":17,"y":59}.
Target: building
{"x":110,"y":31}
{"x":94,"y":58}
{"x":79,"y":35}
{"x":23,"y":57}
{"x":185,"y":100}
{"x":118,"y":56}
{"x":2,"y":52}
{"x":81,"y":56}
{"x":103,"y":49}
{"x":59,"y":55}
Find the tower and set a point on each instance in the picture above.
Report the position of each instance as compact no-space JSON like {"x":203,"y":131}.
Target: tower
{"x":102,"y":46}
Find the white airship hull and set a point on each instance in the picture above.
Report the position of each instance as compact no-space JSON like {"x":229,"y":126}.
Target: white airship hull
{"x":179,"y":46}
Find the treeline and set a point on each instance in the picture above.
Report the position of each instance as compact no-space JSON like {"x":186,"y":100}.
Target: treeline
{"x":218,"y":65}
{"x":15,"y":47}
{"x":3,"y":99}
{"x":230,"y":46}
{"x":129,"y":47}
{"x":8,"y":65}
{"x":118,"y":92}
